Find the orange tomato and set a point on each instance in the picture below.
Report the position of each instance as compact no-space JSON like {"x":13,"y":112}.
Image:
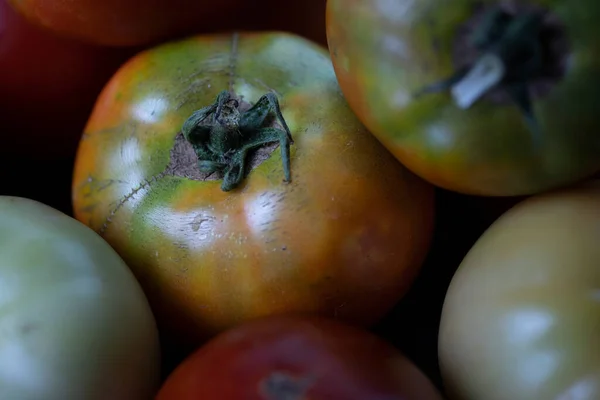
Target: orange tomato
{"x":344,"y":239}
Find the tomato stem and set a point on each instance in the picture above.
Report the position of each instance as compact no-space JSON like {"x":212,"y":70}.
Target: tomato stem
{"x":222,"y":135}
{"x":511,"y":54}
{"x":487,"y":72}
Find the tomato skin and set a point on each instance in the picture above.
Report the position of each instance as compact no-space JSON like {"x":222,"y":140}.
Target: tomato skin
{"x":75,"y":323}
{"x":326,"y":359}
{"x":346,"y":237}
{"x":48,"y":86}
{"x":384,"y":52}
{"x":520,"y":319}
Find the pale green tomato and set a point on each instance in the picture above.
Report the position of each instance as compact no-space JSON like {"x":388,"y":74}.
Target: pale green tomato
{"x":74,"y":323}
{"x":521,"y":319}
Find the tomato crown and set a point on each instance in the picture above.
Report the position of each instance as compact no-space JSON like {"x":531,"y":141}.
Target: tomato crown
{"x":222,"y":135}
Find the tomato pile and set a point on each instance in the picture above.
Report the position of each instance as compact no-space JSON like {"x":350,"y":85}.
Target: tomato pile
{"x":341,"y":199}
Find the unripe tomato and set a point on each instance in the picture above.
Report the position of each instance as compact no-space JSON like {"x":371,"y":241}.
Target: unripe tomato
{"x":521,"y":317}
{"x":482,"y":97}
{"x":344,"y":238}
{"x":74,"y":323}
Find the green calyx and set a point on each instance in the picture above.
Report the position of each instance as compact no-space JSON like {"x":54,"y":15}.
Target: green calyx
{"x":222,"y":136}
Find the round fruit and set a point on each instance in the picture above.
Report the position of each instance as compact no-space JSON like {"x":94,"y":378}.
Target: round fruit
{"x":124,"y":23}
{"x":344,"y":237}
{"x":521,"y":318}
{"x":74,"y":322}
{"x":485,"y":97}
{"x":297,"y":358}
{"x":48,"y":86}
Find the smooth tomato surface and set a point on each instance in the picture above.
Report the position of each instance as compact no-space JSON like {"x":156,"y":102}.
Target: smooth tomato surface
{"x":521,"y":317}
{"x":297,"y":358}
{"x":385,"y":52}
{"x":48,"y":86}
{"x":345,"y":238}
{"x":75,"y":323}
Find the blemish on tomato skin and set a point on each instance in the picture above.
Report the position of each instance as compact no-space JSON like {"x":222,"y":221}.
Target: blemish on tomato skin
{"x":284,"y":386}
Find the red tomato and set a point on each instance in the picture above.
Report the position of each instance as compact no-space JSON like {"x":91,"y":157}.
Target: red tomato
{"x":344,"y":238}
{"x":297,"y":358}
{"x":122,"y":23}
{"x":125,"y":22}
{"x":48,"y":86}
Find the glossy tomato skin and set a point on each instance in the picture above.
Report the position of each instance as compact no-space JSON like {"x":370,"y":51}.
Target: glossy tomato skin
{"x":385,"y":51}
{"x":124,"y":23}
{"x":75,"y":323}
{"x":520,"y":319}
{"x":345,"y":238}
{"x":48,"y":86}
{"x":313,"y":358}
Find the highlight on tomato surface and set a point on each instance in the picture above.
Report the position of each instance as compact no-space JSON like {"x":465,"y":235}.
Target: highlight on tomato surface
{"x":297,"y":358}
{"x":493,"y":97}
{"x":230,"y":174}
{"x":521,"y":316}
{"x":74,"y":322}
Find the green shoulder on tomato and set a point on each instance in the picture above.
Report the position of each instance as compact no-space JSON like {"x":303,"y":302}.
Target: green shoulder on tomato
{"x":345,"y":237}
{"x":528,"y":124}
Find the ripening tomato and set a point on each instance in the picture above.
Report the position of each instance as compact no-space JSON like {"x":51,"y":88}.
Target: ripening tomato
{"x":74,"y":323}
{"x":482,"y":97}
{"x":48,"y":86}
{"x":297,"y":358}
{"x":521,"y":318}
{"x":344,"y":238}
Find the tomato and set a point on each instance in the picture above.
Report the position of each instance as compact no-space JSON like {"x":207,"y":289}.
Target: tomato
{"x":521,"y":317}
{"x":48,"y":86}
{"x":293,"y":358}
{"x":74,"y":321}
{"x":526,"y":124}
{"x":125,"y":23}
{"x":344,"y":238}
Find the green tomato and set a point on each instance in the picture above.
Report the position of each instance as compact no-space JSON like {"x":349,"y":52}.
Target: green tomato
{"x":521,"y":318}
{"x":74,"y":323}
